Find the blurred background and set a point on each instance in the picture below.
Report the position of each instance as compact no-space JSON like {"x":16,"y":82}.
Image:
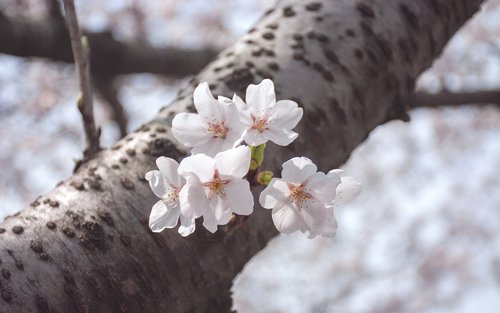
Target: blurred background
{"x":424,"y":236}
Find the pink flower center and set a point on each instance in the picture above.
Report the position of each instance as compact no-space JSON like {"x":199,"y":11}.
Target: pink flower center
{"x":260,"y":123}
{"x":298,"y":194}
{"x":216,"y":186}
{"x":217,"y":130}
{"x":172,"y":195}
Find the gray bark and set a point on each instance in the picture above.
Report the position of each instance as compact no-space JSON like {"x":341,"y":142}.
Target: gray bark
{"x":86,"y":246}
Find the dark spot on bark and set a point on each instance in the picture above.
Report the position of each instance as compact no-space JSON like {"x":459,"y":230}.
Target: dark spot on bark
{"x":145,"y":151}
{"x":229,"y":53}
{"x":18,"y":229}
{"x":270,"y":53}
{"x":19,"y":264}
{"x":250,"y":41}
{"x":313,"y":6}
{"x":43,"y":256}
{"x":230,"y":64}
{"x":298,"y":46}
{"x":35,"y":203}
{"x":358,"y":53}
{"x":92,"y":236}
{"x":350,"y":33}
{"x":145,"y":128}
{"x":127,"y":183}
{"x":36,"y":246}
{"x":68,"y":231}
{"x":298,"y":37}
{"x":252,"y":30}
{"x":264,"y":74}
{"x":78,"y":185}
{"x":6,"y":296}
{"x":115,"y":166}
{"x":345,"y":70}
{"x":365,"y":10}
{"x":42,"y":304}
{"x":51,"y":225}
{"x":257,"y":53}
{"x":94,"y":184}
{"x":268,"y":11}
{"x":54,"y":203}
{"x":322,"y":37}
{"x":319,"y":18}
{"x":298,"y":56}
{"x":331,"y":56}
{"x":46,"y":200}
{"x":272,"y":26}
{"x":409,"y":16}
{"x":311,"y":34}
{"x":239,"y":79}
{"x":268,"y":36}
{"x":273,"y":66}
{"x":6,"y":273}
{"x":131,"y":152}
{"x":126,"y":240}
{"x":2,"y":230}
{"x":152,"y":135}
{"x":217,"y":69}
{"x":106,"y":217}
{"x":118,"y":147}
{"x":162,"y":146}
{"x":249,"y":64}
{"x":385,"y":47}
{"x":288,"y":11}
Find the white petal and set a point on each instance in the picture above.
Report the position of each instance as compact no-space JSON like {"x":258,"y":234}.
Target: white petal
{"x":212,"y":147}
{"x":280,"y":136}
{"x":207,"y":106}
{"x":187,"y":227}
{"x":286,"y":114}
{"x":254,"y":137}
{"x":240,"y":104}
{"x":323,"y":187}
{"x":193,"y":201}
{"x":348,"y":189}
{"x":286,"y":219}
{"x":239,"y":197}
{"x":209,"y":221}
{"x":168,"y":168}
{"x":330,"y":227}
{"x":163,"y":216}
{"x":189,"y":129}
{"x":275,"y":195}
{"x":219,"y":206}
{"x":233,"y":162}
{"x":261,"y":96}
{"x":200,"y":165}
{"x":313,"y":212}
{"x":298,"y":169}
{"x":157,"y":183}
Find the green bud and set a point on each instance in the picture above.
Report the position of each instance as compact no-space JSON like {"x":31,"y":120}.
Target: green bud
{"x":257,"y":156}
{"x":264,"y":177}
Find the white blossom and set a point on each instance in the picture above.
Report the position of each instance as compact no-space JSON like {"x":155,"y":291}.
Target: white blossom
{"x":301,"y":199}
{"x":264,"y":118}
{"x":215,"y":188}
{"x":167,"y":185}
{"x":216,"y":127}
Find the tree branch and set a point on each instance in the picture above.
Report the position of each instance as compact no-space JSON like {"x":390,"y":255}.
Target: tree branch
{"x":107,"y":89}
{"x":86,"y":246}
{"x":80,"y":53}
{"x":446,"y":98}
{"x":110,"y":57}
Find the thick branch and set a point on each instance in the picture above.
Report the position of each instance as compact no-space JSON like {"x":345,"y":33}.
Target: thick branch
{"x":85,"y":102}
{"x":110,"y":57}
{"x":86,"y":245}
{"x":445,"y":98}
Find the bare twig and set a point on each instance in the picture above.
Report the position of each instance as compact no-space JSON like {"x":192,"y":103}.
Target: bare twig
{"x":80,"y":53}
{"x":107,"y":89}
{"x":446,"y":98}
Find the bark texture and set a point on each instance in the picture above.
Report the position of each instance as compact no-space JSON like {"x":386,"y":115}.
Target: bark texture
{"x":86,"y":246}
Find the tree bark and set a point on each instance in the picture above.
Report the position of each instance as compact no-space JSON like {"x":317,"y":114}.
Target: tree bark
{"x":86,"y":246}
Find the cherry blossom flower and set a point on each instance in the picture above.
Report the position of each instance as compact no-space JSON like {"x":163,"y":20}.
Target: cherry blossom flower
{"x":264,"y":118}
{"x":167,"y":185}
{"x":216,"y":127}
{"x":300,"y":200}
{"x":348,"y":189}
{"x":215,"y":187}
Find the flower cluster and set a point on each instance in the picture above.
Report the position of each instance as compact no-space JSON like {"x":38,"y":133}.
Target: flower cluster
{"x":213,"y":183}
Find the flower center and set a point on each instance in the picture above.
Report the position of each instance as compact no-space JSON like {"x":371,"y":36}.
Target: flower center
{"x":216,"y":186}
{"x":217,"y":130}
{"x":172,"y":195}
{"x":298,"y":194}
{"x":260,"y":123}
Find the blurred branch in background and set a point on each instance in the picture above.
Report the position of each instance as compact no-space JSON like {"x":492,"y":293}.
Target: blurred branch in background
{"x":446,"y":98}
{"x":81,"y":52}
{"x":109,"y":92}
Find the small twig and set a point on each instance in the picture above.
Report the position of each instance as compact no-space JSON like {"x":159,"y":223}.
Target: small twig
{"x":446,"y":98}
{"x":107,"y":89}
{"x":80,"y":49}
